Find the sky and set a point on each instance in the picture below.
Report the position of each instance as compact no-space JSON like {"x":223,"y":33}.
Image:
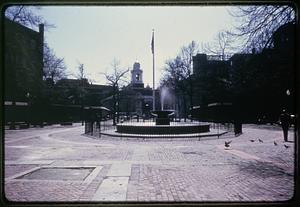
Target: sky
{"x":96,"y":35}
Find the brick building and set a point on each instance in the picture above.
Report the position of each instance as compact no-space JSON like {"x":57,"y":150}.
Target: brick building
{"x":23,"y":61}
{"x":257,"y":84}
{"x":23,"y":69}
{"x":68,"y":97}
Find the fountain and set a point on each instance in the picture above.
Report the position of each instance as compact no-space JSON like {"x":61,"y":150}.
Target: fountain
{"x":162,"y":117}
{"x":162,"y":125}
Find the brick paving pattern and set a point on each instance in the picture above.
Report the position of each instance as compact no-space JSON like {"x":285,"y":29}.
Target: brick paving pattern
{"x":161,"y":170}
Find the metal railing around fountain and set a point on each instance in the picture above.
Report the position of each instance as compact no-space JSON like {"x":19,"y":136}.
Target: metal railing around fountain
{"x":222,"y":126}
{"x":97,"y":128}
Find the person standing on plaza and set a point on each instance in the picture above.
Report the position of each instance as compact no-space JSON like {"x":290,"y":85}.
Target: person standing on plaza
{"x":285,"y":123}
{"x":237,"y":125}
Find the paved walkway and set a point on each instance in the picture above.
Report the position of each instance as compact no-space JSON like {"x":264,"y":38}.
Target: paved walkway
{"x":59,"y":164}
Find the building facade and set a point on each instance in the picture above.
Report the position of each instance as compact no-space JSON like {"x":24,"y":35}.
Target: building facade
{"x":67,"y":98}
{"x":136,"y":99}
{"x":23,"y":61}
{"x":23,"y":70}
{"x":257,"y":84}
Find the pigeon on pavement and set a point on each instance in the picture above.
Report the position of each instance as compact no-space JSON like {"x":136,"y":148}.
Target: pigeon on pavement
{"x":227,"y":144}
{"x":275,"y":143}
{"x":260,"y":140}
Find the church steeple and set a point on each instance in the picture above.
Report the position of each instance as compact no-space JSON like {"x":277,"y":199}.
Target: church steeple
{"x":137,"y":75}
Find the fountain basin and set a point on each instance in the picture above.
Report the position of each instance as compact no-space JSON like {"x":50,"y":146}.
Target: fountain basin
{"x":150,"y":128}
{"x":162,"y":117}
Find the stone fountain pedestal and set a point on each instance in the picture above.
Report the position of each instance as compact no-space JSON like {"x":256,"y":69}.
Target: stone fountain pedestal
{"x":162,"y":117}
{"x":162,"y":127}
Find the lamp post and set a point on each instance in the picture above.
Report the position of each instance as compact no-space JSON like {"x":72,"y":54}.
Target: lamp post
{"x":82,"y":104}
{"x":288,"y":93}
{"x":117,"y":112}
{"x":147,"y":110}
{"x":28,"y":108}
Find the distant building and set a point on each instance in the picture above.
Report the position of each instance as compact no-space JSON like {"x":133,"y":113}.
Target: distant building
{"x":23,"y":61}
{"x":80,"y":92}
{"x":67,"y":98}
{"x":209,"y":74}
{"x":207,"y":65}
{"x":135,"y":98}
{"x":258,"y":84}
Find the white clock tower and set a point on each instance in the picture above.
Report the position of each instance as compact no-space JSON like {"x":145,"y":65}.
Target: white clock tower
{"x":137,"y":76}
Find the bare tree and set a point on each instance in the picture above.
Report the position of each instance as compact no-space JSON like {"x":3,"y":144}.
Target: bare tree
{"x":116,"y":79}
{"x":179,"y":71}
{"x":172,"y":73}
{"x":173,"y":79}
{"x":117,"y":76}
{"x":256,"y":24}
{"x":222,"y":45}
{"x":54,"y":67}
{"x":26,"y":16}
{"x":81,"y":76}
{"x":81,"y":72}
{"x":186,"y":54}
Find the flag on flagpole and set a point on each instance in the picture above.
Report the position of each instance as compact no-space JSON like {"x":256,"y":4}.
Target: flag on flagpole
{"x":152,"y":49}
{"x":152,"y":42}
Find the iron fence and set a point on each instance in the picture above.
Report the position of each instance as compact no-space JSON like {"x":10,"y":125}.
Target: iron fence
{"x":106,"y":127}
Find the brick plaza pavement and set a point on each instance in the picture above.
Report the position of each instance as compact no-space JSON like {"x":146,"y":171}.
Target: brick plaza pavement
{"x":148,"y":170}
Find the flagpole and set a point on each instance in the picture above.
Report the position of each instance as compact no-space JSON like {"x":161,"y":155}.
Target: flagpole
{"x":153,"y":64}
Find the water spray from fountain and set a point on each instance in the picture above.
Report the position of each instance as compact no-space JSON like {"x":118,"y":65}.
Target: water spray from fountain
{"x":164,"y":96}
